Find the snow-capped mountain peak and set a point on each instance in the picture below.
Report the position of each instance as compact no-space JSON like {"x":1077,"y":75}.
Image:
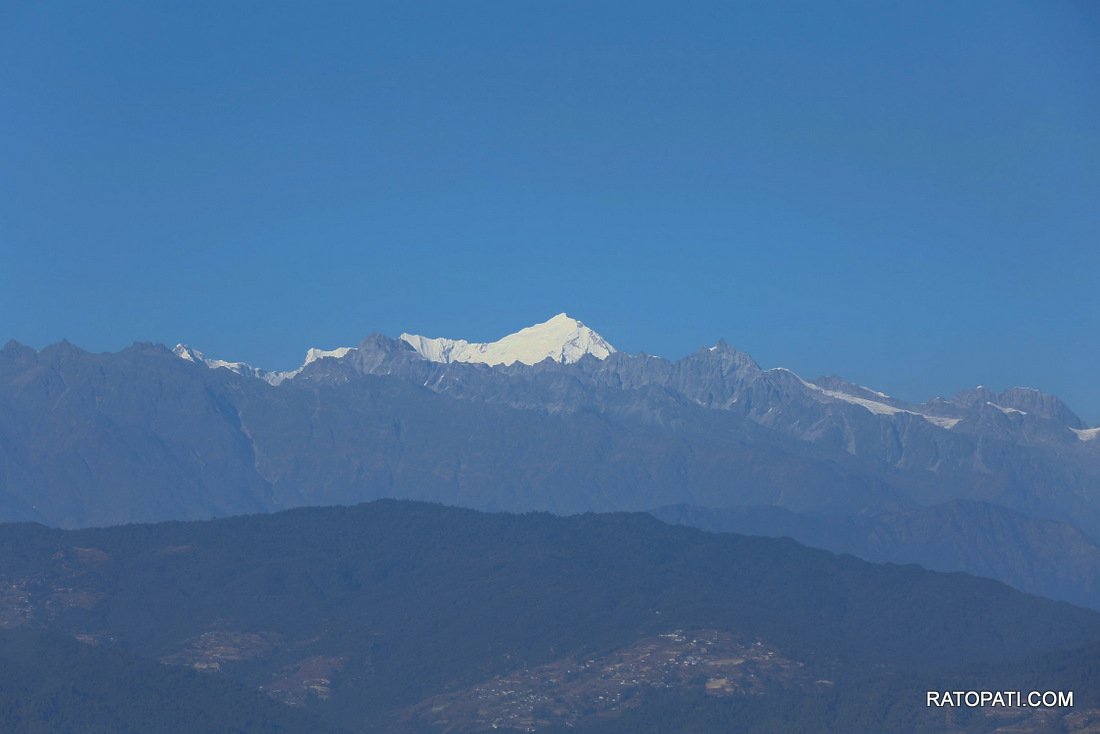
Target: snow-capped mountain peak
{"x":185,"y":352}
{"x":190,"y":354}
{"x":315,"y":354}
{"x":312,"y":356}
{"x":561,"y":338}
{"x":193,"y":355}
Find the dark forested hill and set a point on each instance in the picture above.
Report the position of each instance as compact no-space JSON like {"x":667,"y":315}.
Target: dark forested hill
{"x":360,"y":614}
{"x":52,"y":684}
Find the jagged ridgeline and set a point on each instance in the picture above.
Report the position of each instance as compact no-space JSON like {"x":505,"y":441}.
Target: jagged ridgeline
{"x":553,"y":418}
{"x":401,"y":616}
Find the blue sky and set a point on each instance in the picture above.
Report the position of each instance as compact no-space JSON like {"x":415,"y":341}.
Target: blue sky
{"x":906,"y":194}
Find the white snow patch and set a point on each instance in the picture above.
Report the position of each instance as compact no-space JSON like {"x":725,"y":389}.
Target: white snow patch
{"x":185,"y":352}
{"x":1087,"y":434}
{"x":1006,"y":411}
{"x":314,"y":354}
{"x":562,"y":339}
{"x":874,"y":406}
{"x":243,"y":368}
{"x":940,"y":421}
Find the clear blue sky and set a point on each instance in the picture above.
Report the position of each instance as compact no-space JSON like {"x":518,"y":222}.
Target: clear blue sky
{"x":906,"y":194}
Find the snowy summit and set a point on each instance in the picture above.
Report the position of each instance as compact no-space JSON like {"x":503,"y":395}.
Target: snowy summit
{"x":188,"y":354}
{"x":562,"y":339}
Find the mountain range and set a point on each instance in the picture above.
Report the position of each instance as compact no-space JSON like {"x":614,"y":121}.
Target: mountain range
{"x":554,"y":418}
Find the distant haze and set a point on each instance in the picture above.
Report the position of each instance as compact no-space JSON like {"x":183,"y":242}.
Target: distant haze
{"x":902,"y":194}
